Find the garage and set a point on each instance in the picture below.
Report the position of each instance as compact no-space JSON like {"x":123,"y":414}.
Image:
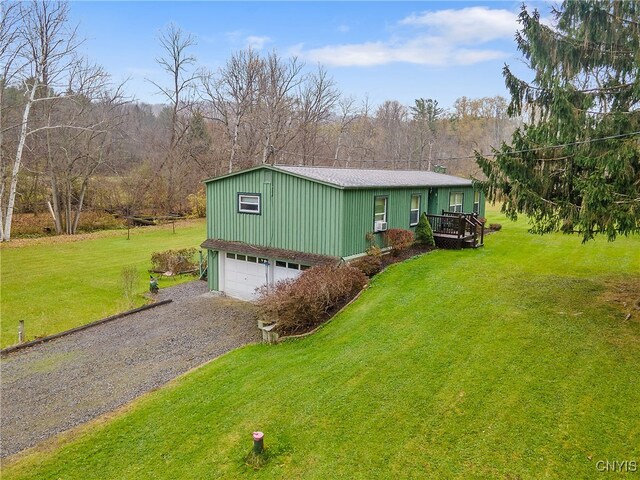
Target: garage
{"x":241,"y":275}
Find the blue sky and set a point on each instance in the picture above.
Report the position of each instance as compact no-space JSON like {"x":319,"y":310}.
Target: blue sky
{"x":383,"y":50}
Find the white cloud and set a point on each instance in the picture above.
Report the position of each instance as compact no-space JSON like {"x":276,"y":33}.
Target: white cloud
{"x":445,"y":37}
{"x":416,"y":52}
{"x":473,"y":24}
{"x":256,"y":42}
{"x":343,"y":28}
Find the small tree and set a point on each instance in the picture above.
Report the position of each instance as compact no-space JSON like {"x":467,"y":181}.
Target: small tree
{"x":424,"y":233}
{"x":128,"y":280}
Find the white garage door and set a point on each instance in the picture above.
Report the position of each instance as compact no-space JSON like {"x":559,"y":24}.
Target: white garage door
{"x":242,"y":275}
{"x":283,"y":270}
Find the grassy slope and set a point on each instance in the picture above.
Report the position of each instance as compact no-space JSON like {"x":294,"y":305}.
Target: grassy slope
{"x":517,"y":369}
{"x":57,"y":286}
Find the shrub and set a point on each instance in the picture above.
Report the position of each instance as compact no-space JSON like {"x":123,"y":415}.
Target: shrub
{"x":424,"y":233}
{"x":94,"y":220}
{"x":174,"y":261}
{"x":370,"y":238}
{"x":495,"y":226}
{"x":370,"y":265}
{"x":399,"y":240}
{"x":374,"y":251}
{"x":128,"y":280}
{"x":299,"y":304}
{"x":198,"y":204}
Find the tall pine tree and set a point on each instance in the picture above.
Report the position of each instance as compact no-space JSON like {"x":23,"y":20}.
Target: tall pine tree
{"x":575,"y":164}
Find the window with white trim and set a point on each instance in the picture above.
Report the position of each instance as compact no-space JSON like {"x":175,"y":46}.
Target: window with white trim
{"x":455,"y":202}
{"x":414,"y":213}
{"x":249,"y":203}
{"x":476,"y":201}
{"x":380,"y":209}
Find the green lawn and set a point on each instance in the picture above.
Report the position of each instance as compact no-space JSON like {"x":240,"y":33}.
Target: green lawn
{"x":503,"y":362}
{"x":62,"y":284}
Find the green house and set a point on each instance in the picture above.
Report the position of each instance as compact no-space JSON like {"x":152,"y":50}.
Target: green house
{"x":269,"y":223}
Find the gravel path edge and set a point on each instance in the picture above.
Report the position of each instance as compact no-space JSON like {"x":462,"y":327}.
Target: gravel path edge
{"x":67,"y":436}
{"x":20,"y":346}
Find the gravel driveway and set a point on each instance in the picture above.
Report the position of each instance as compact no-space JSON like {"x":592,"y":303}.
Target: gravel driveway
{"x":59,"y":384}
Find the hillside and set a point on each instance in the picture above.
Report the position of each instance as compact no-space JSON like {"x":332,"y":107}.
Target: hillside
{"x":511,"y":361}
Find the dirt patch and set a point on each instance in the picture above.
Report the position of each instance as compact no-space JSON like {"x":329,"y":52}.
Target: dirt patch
{"x":623,"y":295}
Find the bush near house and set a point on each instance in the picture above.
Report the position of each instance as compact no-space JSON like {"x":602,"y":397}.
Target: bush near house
{"x":174,"y":261}
{"x":298,"y":305}
{"x":398,"y":239}
{"x":424,"y":233}
{"x":370,"y":265}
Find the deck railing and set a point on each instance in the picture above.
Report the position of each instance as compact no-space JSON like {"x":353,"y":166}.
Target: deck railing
{"x":457,"y":225}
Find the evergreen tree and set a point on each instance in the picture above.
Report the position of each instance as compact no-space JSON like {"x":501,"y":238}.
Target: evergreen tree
{"x":575,"y":164}
{"x":424,"y":233}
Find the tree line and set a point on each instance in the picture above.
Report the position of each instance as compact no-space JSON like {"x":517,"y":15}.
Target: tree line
{"x":71,"y":138}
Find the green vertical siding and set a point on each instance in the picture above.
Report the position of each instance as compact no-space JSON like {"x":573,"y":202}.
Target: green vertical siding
{"x":441,"y":200}
{"x":307,"y":216}
{"x":358,"y":214}
{"x":212,"y":269}
{"x":296,"y":214}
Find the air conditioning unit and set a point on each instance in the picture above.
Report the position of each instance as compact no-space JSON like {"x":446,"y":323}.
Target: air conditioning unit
{"x":380,"y":226}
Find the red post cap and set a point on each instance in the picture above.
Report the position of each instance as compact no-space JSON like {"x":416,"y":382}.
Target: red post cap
{"x":258,"y":435}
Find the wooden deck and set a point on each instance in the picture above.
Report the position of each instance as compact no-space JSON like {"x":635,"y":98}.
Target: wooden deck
{"x":457,"y":230}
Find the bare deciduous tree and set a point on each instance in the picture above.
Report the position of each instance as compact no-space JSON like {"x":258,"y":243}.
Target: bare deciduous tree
{"x":179,"y":64}
{"x":49,"y":51}
{"x":11,"y":49}
{"x":317,"y":98}
{"x":233,"y":95}
{"x":278,"y":84}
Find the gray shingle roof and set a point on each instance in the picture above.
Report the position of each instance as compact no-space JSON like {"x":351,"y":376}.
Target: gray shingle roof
{"x":355,"y":177}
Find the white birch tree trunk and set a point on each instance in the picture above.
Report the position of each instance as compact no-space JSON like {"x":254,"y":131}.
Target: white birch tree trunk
{"x":6,"y":234}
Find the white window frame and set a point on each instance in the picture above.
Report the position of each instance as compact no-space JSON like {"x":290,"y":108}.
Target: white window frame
{"x":417,"y":210}
{"x":476,"y":203}
{"x":453,"y":207}
{"x":242,"y":197}
{"x":383,"y":214}
{"x":386,"y":206}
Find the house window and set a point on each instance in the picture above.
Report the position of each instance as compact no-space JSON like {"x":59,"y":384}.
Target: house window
{"x":380,"y":214}
{"x":249,"y":203}
{"x":476,"y":201}
{"x":455,"y":202}
{"x":414,"y":213}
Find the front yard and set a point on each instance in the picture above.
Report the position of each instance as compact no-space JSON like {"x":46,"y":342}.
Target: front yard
{"x":57,"y":283}
{"x":511,"y":361}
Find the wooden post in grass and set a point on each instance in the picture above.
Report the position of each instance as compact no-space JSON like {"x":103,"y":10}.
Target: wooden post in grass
{"x":21,"y":331}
